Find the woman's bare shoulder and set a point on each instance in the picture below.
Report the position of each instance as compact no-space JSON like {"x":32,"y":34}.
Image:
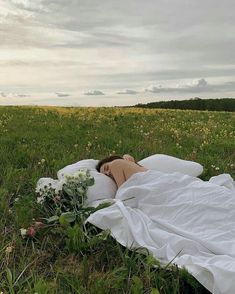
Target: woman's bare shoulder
{"x":121,"y":162}
{"x":116,"y":163}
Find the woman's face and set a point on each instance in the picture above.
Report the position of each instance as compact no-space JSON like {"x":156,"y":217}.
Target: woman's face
{"x":105,"y":169}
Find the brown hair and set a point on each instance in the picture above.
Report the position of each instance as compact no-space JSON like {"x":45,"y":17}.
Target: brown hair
{"x":109,"y":159}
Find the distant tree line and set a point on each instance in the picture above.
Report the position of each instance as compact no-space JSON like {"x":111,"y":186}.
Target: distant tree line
{"x":222,"y":104}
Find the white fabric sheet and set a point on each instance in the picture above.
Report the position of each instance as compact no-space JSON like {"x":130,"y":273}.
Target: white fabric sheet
{"x":178,"y":216}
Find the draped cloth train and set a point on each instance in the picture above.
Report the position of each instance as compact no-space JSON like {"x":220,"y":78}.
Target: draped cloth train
{"x":178,"y":216}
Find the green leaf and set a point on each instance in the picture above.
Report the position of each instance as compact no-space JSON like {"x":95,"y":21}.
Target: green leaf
{"x":90,"y":181}
{"x":67,"y":218}
{"x":9,"y":276}
{"x":104,"y":235}
{"x":52,"y":219}
{"x":152,"y":261}
{"x":137,"y":285}
{"x":68,"y":191}
{"x":102,"y":205}
{"x":154,"y":291}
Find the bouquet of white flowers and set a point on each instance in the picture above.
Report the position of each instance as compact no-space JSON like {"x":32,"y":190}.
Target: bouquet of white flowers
{"x":66,"y":197}
{"x":63,"y":202}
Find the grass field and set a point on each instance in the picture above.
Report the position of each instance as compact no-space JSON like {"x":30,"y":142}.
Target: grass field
{"x":38,"y":141}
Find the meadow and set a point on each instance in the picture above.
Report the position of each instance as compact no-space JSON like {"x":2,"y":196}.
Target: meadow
{"x":38,"y":141}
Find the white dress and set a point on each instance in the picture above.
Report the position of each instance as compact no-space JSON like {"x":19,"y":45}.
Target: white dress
{"x":178,"y":217}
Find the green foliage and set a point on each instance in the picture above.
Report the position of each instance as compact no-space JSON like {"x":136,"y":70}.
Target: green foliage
{"x":137,"y":285}
{"x":73,"y":258}
{"x":42,"y":287}
{"x":66,"y":218}
{"x":223,"y":104}
{"x":24,"y":210}
{"x":10,"y":281}
{"x":82,"y":240}
{"x":154,"y":291}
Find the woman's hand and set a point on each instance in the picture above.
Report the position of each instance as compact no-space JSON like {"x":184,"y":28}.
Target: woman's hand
{"x":128,"y":157}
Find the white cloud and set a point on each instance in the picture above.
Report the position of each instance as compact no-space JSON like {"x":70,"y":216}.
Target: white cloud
{"x":201,"y":83}
{"x":127,"y":91}
{"x":35,"y":5}
{"x":12,"y":95}
{"x":22,"y":95}
{"x":10,"y":13}
{"x":61,"y":46}
{"x":94,"y":92}
{"x":62,"y":94}
{"x":198,"y":86}
{"x":2,"y":94}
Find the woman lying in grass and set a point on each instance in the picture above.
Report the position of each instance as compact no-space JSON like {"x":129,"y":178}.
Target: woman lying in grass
{"x":119,"y":168}
{"x":177,"y":217}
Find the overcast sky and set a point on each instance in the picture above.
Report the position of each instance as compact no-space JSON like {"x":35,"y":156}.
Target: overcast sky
{"x":109,"y":52}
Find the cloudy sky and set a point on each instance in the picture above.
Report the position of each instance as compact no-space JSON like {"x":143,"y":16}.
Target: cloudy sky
{"x":109,"y":52}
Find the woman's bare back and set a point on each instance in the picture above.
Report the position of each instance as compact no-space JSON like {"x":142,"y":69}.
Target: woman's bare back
{"x":121,"y":170}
